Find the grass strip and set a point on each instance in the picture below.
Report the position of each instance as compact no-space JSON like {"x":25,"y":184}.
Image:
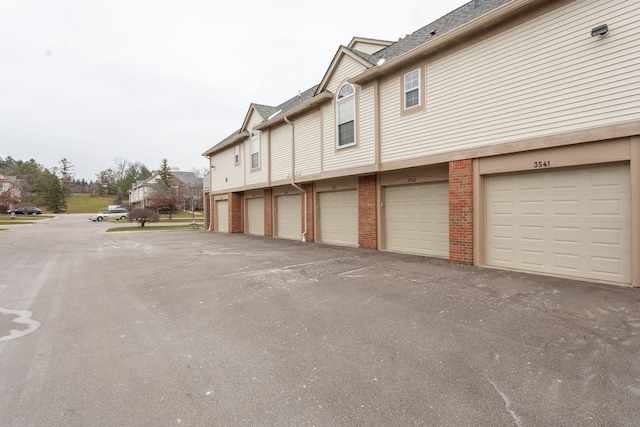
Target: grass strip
{"x":157,"y":227}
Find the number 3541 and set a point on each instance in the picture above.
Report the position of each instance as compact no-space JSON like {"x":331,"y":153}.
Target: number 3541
{"x":545,"y":164}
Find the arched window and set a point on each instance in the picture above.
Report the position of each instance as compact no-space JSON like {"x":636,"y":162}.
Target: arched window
{"x":346,"y":106}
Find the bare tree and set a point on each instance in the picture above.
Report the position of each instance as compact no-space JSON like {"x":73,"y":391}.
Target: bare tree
{"x":144,"y":215}
{"x":165,"y":197}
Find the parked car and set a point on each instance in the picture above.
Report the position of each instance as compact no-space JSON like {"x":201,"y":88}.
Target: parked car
{"x":111,"y":215}
{"x":25,"y":211}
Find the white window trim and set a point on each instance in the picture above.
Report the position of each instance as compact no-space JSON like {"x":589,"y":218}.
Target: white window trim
{"x":255,"y":147}
{"x":236,"y":154}
{"x":418,"y":88}
{"x":339,"y":102}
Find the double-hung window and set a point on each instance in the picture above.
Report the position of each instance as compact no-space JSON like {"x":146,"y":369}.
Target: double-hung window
{"x":412,"y":89}
{"x":236,"y":154}
{"x":346,"y":105}
{"x":255,"y":149}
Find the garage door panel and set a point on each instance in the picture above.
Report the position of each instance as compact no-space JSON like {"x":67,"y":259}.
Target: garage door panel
{"x":338,"y":217}
{"x":288,"y":216}
{"x":222,"y":215}
{"x":417,"y":219}
{"x":576,"y":224}
{"x":255,"y":216}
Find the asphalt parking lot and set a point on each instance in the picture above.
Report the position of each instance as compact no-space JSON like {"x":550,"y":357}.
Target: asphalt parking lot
{"x":195,"y":328}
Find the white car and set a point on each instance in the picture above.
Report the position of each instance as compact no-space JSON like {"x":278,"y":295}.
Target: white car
{"x":111,"y":215}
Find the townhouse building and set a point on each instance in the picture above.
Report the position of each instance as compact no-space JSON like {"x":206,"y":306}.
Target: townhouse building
{"x":185,"y":184}
{"x":505,"y":134}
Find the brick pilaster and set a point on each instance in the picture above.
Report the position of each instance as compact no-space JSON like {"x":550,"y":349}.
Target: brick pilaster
{"x":268,"y":212}
{"x":461,"y":211}
{"x":310,"y":211}
{"x":212,"y":210}
{"x":367,"y":212}
{"x":236,"y":213}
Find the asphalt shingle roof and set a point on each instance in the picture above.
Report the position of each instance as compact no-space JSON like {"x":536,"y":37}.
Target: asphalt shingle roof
{"x":450,"y":21}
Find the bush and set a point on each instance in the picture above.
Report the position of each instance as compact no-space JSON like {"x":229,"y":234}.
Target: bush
{"x":144,"y":215}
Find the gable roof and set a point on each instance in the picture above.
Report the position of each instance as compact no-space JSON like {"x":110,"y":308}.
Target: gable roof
{"x":363,"y":58}
{"x":189,"y":179}
{"x":372,"y":42}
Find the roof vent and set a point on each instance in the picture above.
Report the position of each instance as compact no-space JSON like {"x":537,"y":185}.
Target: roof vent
{"x":380,"y":61}
{"x":433,"y":32}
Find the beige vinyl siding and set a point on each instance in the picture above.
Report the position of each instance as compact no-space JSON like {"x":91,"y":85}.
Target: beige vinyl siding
{"x":367,"y":47}
{"x":254,"y":119}
{"x":308,"y":144}
{"x":281,"y":152}
{"x":366,"y":125}
{"x":348,"y":67}
{"x":363,"y":153}
{"x":544,"y":77}
{"x":226,"y":174}
{"x":328,"y":130}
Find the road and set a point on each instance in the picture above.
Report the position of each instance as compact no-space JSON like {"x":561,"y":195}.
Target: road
{"x":192,"y":328}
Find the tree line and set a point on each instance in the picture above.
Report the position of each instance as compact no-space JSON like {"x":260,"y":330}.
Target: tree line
{"x":29,"y":183}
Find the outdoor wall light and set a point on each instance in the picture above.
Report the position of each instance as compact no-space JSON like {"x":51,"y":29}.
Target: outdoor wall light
{"x":600,"y":30}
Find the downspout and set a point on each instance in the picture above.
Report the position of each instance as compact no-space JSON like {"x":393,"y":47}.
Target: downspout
{"x":293,"y":176}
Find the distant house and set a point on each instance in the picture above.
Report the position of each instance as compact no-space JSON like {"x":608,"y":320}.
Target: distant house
{"x":10,"y":192}
{"x":505,"y":134}
{"x":186,"y":184}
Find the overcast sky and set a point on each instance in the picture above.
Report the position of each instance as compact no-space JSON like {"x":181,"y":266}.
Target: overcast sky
{"x":142,"y":80}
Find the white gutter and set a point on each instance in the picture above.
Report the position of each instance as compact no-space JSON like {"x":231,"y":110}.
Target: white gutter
{"x":293,"y":176}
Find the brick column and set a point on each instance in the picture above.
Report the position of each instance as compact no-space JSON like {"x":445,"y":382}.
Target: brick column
{"x":461,"y":211}
{"x":268,"y":212}
{"x":310,"y":211}
{"x":212,"y":213}
{"x":367,"y":212}
{"x":236,"y":213}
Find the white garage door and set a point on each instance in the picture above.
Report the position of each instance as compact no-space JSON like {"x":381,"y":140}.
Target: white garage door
{"x":288,"y":217}
{"x":339,"y":217}
{"x":565,"y":222}
{"x":222,"y":215}
{"x":255,"y":216}
{"x":417,"y":219}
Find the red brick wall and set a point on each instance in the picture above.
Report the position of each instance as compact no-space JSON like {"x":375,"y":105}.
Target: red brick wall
{"x":268,"y":212}
{"x":367,"y":212}
{"x":461,"y":211}
{"x":236,"y":213}
{"x":310,"y":211}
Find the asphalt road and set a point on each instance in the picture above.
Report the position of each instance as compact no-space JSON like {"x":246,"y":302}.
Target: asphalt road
{"x":192,"y":328}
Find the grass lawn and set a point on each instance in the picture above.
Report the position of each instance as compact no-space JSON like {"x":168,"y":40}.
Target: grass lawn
{"x":178,"y":221}
{"x":85,"y":203}
{"x":22,"y":219}
{"x":156,"y":227}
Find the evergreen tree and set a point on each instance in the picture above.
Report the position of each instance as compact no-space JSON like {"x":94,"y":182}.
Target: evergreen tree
{"x":55,"y":196}
{"x":164,"y":173}
{"x":65,"y":173}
